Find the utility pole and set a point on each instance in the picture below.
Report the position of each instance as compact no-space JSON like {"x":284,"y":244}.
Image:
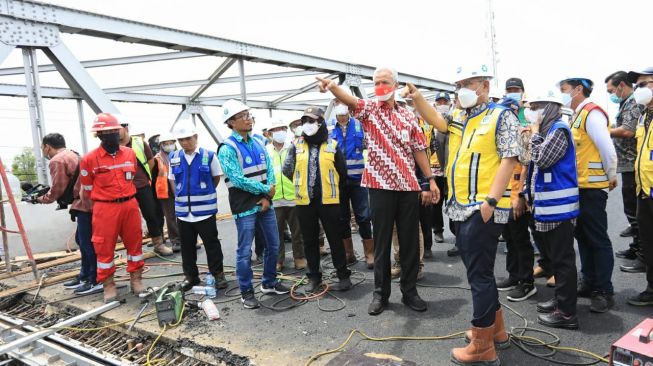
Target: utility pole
{"x":493,"y":45}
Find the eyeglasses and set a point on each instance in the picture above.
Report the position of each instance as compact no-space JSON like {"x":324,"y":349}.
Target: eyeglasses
{"x":643,"y":84}
{"x":466,"y":83}
{"x":245,"y":116}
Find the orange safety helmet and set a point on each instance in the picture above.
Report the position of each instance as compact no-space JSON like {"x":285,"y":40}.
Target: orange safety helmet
{"x":105,"y":122}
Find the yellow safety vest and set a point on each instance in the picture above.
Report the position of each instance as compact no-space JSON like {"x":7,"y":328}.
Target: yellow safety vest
{"x":477,"y":160}
{"x":644,"y":161}
{"x":284,"y":188}
{"x":591,"y":173}
{"x":428,"y":133}
{"x":139,"y":150}
{"x":328,"y":173}
{"x":455,"y":140}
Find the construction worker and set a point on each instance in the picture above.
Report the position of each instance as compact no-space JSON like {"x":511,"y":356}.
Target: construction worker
{"x":478,"y":205}
{"x":348,"y":132}
{"x":643,"y":96}
{"x":108,"y":173}
{"x":438,"y":164}
{"x":251,"y":182}
{"x":195,"y":173}
{"x":65,"y":190}
{"x":318,"y":168}
{"x":142,"y":180}
{"x":284,"y":197}
{"x":596,"y":162}
{"x":551,"y":190}
{"x":164,"y":192}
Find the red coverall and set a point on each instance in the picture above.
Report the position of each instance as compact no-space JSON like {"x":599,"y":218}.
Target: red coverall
{"x":110,"y":181}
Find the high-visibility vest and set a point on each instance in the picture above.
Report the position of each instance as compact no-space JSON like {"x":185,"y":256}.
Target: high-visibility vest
{"x":194,"y":188}
{"x":139,"y":150}
{"x":455,"y":129}
{"x":556,"y":196}
{"x":352,"y":147}
{"x":161,"y":184}
{"x":513,"y":186}
{"x":427,"y":129}
{"x":284,"y":188}
{"x":329,"y":177}
{"x":477,"y":160}
{"x":591,"y":172}
{"x":644,"y":161}
{"x":254,"y":164}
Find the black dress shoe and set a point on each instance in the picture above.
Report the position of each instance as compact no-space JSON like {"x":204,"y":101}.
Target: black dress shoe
{"x":414,"y":302}
{"x":635,"y":267}
{"x":188,"y":284}
{"x":626,"y":254}
{"x":547,"y":306}
{"x":629,"y":231}
{"x":377,"y":305}
{"x":584,"y":290}
{"x":558,"y":320}
{"x":342,"y":285}
{"x":453,"y":252}
{"x":313,"y":286}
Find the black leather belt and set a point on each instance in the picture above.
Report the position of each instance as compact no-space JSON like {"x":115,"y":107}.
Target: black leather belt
{"x":118,"y":200}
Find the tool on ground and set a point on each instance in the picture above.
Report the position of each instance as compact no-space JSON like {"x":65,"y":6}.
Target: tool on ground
{"x":145,"y":297}
{"x":169,"y":304}
{"x":635,"y":348}
{"x":43,"y":276}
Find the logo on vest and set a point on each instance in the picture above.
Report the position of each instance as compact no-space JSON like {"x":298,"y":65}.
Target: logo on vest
{"x":248,"y":160}
{"x":262,"y":157}
{"x":202,"y":185}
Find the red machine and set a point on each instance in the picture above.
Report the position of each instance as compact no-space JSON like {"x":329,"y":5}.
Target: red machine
{"x":635,"y":348}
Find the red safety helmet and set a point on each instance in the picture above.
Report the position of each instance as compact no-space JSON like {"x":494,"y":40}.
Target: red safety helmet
{"x":105,"y":122}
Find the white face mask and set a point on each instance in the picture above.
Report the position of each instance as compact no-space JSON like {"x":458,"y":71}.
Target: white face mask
{"x":467,"y":97}
{"x":279,"y":136}
{"x":168,"y":148}
{"x":442,"y":109}
{"x":533,"y":116}
{"x":643,"y":96}
{"x":385,"y":98}
{"x":298,"y":131}
{"x":310,"y":129}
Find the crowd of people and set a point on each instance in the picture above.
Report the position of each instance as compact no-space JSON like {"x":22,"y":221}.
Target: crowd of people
{"x":534,"y":170}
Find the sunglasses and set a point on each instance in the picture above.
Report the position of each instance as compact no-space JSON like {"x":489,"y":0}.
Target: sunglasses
{"x":643,"y":84}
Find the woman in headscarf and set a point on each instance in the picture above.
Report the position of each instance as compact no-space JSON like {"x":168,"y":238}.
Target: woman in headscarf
{"x":552,"y":193}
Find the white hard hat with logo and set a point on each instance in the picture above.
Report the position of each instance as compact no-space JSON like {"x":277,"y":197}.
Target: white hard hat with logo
{"x":547,"y":95}
{"x":166,"y":136}
{"x":183,"y":130}
{"x":232,"y":107}
{"x":276,"y":123}
{"x":473,"y":71}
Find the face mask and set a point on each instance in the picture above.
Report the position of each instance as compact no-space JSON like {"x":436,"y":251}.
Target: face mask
{"x":310,"y":129}
{"x":532,"y":116}
{"x":279,"y":136}
{"x":168,"y":148}
{"x":643,"y":96}
{"x":298,"y":131}
{"x":110,"y":142}
{"x":514,"y":96}
{"x":46,"y":155}
{"x":467,"y":97}
{"x":383,"y":92}
{"x":442,"y":109}
{"x":566,"y":99}
{"x":614,"y":98}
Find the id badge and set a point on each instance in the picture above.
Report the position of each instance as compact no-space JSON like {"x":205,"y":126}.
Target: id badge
{"x":129,"y":176}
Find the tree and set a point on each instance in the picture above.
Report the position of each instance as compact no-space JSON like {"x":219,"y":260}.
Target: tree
{"x":24,"y":166}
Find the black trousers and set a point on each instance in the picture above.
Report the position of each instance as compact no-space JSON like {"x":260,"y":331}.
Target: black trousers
{"x":544,"y":262}
{"x":309,"y":217}
{"x":437,"y":217}
{"x":477,"y":242}
{"x":520,"y":258}
{"x":390,"y":208}
{"x":645,"y":218}
{"x":558,"y":244}
{"x":207,"y":229}
{"x":629,"y":198}
{"x":147,"y":204}
{"x":426,"y":224}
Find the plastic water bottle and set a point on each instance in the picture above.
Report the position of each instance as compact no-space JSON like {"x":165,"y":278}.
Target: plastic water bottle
{"x":210,"y":309}
{"x":209,"y":279}
{"x":208,"y":291}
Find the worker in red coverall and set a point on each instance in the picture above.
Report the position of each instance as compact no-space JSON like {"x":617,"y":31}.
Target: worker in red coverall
{"x":108,"y":174}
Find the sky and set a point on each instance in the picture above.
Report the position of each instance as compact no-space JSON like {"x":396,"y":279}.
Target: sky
{"x":539,"y":41}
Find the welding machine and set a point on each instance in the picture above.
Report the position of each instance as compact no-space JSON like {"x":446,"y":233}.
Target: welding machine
{"x":168,"y":305}
{"x":635,"y":348}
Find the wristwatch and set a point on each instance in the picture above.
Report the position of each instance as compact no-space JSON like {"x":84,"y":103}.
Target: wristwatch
{"x":491,"y":201}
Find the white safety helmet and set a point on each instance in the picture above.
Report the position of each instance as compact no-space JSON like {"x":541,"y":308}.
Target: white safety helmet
{"x":473,"y":71}
{"x":166,"y":136}
{"x":547,"y":95}
{"x":276,"y":123}
{"x":183,"y":129}
{"x":342,"y":110}
{"x":232,"y":107}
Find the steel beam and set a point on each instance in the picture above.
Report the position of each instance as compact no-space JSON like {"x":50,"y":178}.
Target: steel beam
{"x":258,"y":94}
{"x":78,"y":79}
{"x":302,"y":90}
{"x":33,"y":89}
{"x":241,"y":74}
{"x":213,"y":78}
{"x":82,"y":125}
{"x":210,"y":127}
{"x":5,"y":50}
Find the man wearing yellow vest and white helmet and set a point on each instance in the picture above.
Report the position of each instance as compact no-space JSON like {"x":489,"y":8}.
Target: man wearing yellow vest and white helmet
{"x":644,"y":177}
{"x":479,"y":205}
{"x":596,"y":163}
{"x":165,"y":193}
{"x":284,"y":196}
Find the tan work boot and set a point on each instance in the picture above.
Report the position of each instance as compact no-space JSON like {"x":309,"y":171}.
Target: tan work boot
{"x":368,"y":248}
{"x":349,"y":250}
{"x":110,"y":290}
{"x":538,"y":272}
{"x":136,"y":281}
{"x":551,"y":282}
{"x":479,"y":351}
{"x":323,"y":251}
{"x":300,"y":263}
{"x":160,"y":248}
{"x":395,"y":271}
{"x":501,"y":339}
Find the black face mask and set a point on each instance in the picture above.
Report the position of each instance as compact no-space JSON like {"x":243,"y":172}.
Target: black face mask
{"x":110,"y":142}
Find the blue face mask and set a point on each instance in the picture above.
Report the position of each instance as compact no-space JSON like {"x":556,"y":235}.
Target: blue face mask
{"x":614,"y":98}
{"x":566,"y":99}
{"x":514,"y":96}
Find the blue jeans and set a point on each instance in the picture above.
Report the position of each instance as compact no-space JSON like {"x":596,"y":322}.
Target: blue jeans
{"x":265,"y":223}
{"x":88,"y":271}
{"x":360,"y":202}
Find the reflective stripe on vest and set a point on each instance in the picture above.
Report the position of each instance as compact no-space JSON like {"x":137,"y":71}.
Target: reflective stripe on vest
{"x":254,"y":167}
{"x":644,"y":160}
{"x":591,"y":173}
{"x":351,"y":146}
{"x":329,"y":177}
{"x":194,"y":189}
{"x":477,"y":160}
{"x":139,"y":150}
{"x":284,"y":188}
{"x":455,"y":129}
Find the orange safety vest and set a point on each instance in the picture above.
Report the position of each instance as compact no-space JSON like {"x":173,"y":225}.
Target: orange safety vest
{"x":161,"y":185}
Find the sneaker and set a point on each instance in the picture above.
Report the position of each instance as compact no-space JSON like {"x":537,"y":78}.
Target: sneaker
{"x":72,"y":284}
{"x":249,"y":300}
{"x":453,"y":252}
{"x":636,"y":266}
{"x":221,"y":283}
{"x":642,"y":299}
{"x":629,"y":231}
{"x":507,"y":284}
{"x":558,"y":320}
{"x":601,"y":303}
{"x":87,"y":288}
{"x":629,"y":253}
{"x":279,"y":289}
{"x":522,"y":292}
{"x":438,"y":237}
{"x":395,"y":271}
